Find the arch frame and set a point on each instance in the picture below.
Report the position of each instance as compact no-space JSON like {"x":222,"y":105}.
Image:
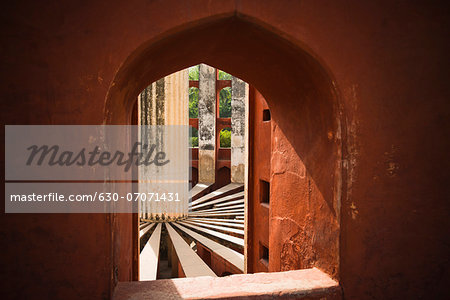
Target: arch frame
{"x":303,"y":73}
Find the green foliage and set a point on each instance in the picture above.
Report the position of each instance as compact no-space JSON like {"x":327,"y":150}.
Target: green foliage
{"x":225,"y":103}
{"x":194,"y":142}
{"x":193,"y":102}
{"x":193,"y":137}
{"x":224,"y":96}
{"x":224,"y":76}
{"x":225,"y":138}
{"x":194,"y":72}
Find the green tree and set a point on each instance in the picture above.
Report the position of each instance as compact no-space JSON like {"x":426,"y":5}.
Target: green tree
{"x":225,"y":103}
{"x":193,"y":102}
{"x":193,"y":137}
{"x":194,"y":72}
{"x":224,"y":75}
{"x":194,"y":142}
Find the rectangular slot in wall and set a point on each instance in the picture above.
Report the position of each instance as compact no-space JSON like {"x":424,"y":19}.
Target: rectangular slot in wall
{"x":264,"y":192}
{"x":266,"y":115}
{"x":264,"y":254}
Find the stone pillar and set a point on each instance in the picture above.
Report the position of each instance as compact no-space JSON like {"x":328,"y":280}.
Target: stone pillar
{"x":177,"y":113}
{"x":239,"y":113}
{"x":165,"y":102}
{"x":146,"y":116}
{"x":207,"y":124}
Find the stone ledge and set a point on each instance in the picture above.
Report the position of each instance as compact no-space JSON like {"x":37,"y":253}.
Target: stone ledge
{"x":299,"y":284}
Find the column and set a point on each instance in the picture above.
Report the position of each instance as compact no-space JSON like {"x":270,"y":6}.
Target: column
{"x":165,"y":103}
{"x":206,"y":124}
{"x":239,"y":113}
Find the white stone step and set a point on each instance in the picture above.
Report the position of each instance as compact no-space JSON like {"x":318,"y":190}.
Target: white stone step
{"x":228,"y":224}
{"x":148,"y":259}
{"x":142,"y":232}
{"x":239,"y":195}
{"x":197,"y":189}
{"x":232,"y":256}
{"x":218,"y":192}
{"x":191,"y":263}
{"x":219,"y":220}
{"x":230,"y":203}
{"x":221,"y":208}
{"x":221,"y":228}
{"x":220,"y":235}
{"x":230,"y":212}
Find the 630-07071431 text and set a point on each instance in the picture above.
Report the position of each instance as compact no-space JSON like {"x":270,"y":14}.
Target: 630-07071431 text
{"x":102,"y":197}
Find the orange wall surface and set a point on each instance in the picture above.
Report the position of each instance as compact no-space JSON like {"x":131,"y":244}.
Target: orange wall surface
{"x":260,"y":140}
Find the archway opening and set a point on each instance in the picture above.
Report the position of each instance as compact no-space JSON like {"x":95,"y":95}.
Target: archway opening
{"x":305,"y":174}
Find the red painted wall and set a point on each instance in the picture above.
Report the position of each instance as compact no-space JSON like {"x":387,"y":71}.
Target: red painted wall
{"x":359,"y":98}
{"x":260,"y":141}
{"x":219,"y":265}
{"x":299,"y":225}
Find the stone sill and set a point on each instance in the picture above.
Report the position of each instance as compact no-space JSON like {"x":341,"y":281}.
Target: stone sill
{"x":299,"y":284}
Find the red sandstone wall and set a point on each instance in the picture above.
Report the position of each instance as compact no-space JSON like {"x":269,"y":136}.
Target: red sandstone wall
{"x":216,"y":262}
{"x":260,"y":141}
{"x":371,"y":76}
{"x":299,"y":226}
